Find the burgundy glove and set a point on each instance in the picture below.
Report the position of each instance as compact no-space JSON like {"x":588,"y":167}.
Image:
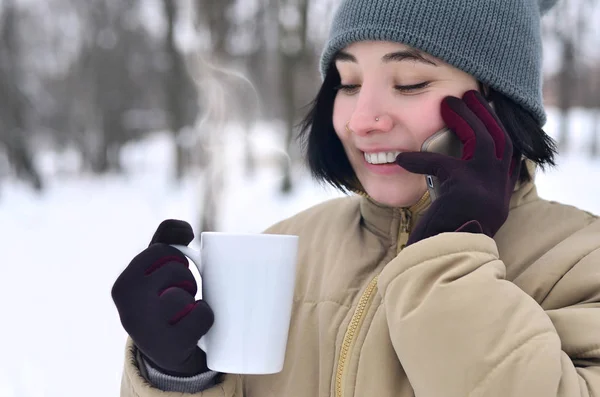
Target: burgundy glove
{"x":475,"y":189}
{"x":155,"y":299}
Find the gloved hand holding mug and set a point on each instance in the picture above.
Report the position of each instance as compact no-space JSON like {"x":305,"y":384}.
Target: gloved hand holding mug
{"x":155,"y":298}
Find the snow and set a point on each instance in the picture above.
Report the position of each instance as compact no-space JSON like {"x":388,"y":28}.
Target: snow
{"x":575,"y":179}
{"x":62,"y":251}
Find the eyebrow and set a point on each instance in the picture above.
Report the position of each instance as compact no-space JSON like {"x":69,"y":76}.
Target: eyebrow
{"x":397,"y":56}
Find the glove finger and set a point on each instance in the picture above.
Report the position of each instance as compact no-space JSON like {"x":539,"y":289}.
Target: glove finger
{"x":173,"y":274}
{"x":197,"y":321}
{"x":174,"y":304}
{"x":172,"y":231}
{"x":144,"y":264}
{"x":486,"y":114}
{"x":150,"y":260}
{"x":467,"y":126}
{"x":426,"y":163}
{"x":191,"y":318}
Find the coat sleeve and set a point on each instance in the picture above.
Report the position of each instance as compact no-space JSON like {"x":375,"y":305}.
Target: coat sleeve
{"x":460,"y":328}
{"x":133,"y":384}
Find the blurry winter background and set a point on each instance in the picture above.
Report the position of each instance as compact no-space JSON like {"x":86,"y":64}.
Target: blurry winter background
{"x":115,"y":115}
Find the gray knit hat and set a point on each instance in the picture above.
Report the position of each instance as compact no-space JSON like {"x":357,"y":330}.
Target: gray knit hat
{"x":496,"y":41}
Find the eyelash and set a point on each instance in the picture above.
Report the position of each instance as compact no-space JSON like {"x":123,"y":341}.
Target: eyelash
{"x":351,"y":88}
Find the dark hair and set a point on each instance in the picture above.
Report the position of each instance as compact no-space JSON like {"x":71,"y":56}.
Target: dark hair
{"x":328,"y":162}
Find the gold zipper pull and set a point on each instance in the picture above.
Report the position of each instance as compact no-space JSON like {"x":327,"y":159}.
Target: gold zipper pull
{"x":405,"y":219}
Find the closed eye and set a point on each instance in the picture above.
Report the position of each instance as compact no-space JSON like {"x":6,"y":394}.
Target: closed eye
{"x":412,"y":88}
{"x":348,"y":89}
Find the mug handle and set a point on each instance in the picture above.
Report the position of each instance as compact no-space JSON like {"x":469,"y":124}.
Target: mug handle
{"x":195,"y":257}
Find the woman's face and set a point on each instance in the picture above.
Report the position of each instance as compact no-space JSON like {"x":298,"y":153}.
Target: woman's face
{"x":390,"y":99}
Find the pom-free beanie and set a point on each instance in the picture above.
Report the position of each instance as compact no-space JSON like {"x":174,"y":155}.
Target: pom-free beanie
{"x":496,"y":41}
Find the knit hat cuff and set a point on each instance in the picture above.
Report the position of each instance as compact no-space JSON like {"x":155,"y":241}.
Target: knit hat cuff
{"x":481,"y":73}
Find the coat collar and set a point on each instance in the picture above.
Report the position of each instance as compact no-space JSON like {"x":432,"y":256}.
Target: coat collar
{"x":385,"y":220}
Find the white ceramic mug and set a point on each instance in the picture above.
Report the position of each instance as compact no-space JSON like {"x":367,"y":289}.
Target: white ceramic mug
{"x":248,"y":281}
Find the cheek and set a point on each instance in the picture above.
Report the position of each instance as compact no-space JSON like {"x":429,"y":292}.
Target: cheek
{"x":423,"y":119}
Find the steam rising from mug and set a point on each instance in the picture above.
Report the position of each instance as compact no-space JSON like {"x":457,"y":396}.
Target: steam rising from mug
{"x":219,"y":89}
{"x":225,"y":95}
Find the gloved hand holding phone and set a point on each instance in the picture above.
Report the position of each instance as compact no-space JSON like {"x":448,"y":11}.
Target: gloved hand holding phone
{"x":475,"y":190}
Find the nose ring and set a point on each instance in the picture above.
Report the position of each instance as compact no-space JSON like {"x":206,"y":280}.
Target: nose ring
{"x":348,"y":128}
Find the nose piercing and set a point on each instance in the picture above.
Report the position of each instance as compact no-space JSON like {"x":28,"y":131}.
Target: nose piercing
{"x":376,"y":118}
{"x":348,"y":128}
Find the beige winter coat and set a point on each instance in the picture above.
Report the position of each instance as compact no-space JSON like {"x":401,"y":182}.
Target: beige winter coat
{"x":454,"y":315}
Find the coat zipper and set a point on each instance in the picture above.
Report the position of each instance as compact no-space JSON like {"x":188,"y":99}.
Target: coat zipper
{"x":351,"y":334}
{"x":361,"y":309}
{"x":365,"y":299}
{"x":405,"y":219}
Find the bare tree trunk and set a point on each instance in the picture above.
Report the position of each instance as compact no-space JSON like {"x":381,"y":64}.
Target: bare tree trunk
{"x":100,"y":159}
{"x":591,"y":100}
{"x":21,"y":158}
{"x":174,"y":87}
{"x":209,"y":211}
{"x":289,"y":62}
{"x":249,"y":158}
{"x":106,"y":153}
{"x":595,"y":140}
{"x":563,"y":129}
{"x":288,"y":91}
{"x":568,"y":26}
{"x":259,"y":65}
{"x":566,"y":83}
{"x":15,"y":106}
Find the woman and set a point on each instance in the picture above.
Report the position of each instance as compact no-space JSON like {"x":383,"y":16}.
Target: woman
{"x":486,"y":291}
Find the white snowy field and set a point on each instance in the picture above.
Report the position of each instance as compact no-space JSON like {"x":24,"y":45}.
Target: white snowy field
{"x":61,"y":252}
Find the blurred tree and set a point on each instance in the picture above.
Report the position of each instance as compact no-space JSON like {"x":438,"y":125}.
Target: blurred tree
{"x":594,"y":97}
{"x":295,"y":56}
{"x":16,"y":109}
{"x":593,"y":77}
{"x":113,"y":90}
{"x":177,"y":86}
{"x":107,"y":68}
{"x":567,"y":26}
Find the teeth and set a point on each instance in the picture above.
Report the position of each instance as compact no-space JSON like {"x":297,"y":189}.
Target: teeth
{"x":381,"y":158}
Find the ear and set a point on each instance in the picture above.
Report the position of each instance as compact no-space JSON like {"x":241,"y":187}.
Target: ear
{"x":485,"y":91}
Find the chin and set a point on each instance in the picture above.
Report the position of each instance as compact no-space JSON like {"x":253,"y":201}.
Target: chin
{"x":397,"y":195}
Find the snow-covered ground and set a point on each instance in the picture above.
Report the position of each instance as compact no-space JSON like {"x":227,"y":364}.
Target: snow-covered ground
{"x":61,"y":252}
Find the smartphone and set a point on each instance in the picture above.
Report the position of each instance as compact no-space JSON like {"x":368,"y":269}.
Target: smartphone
{"x":444,"y":142}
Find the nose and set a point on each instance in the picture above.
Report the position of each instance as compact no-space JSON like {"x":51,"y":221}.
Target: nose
{"x":369,"y":115}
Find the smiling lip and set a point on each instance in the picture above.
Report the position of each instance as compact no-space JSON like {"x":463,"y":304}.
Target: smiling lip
{"x":382,"y":169}
{"x":380,"y":150}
